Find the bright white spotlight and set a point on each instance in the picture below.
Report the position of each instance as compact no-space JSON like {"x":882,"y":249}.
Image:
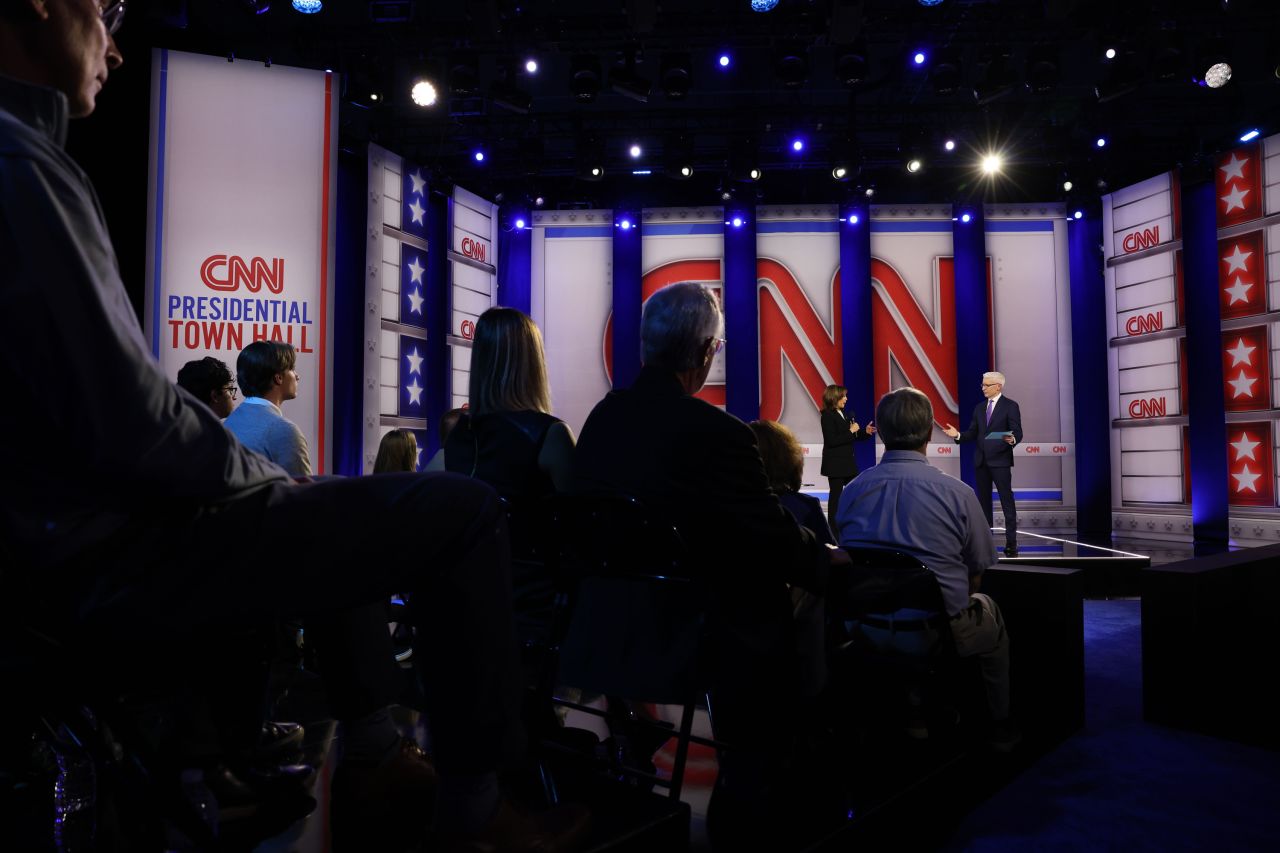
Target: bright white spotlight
{"x":423,"y":93}
{"x":308,"y":7}
{"x":966,"y":217}
{"x":479,"y":155}
{"x":531,"y":65}
{"x":686,"y":171}
{"x":870,"y":191}
{"x":1066,"y":186}
{"x":949,"y":145}
{"x":1217,"y":75}
{"x":1249,"y":136}
{"x":596,"y":171}
{"x":853,"y":219}
{"x":991,"y":164}
{"x":625,"y":225}
{"x":1111,"y":53}
{"x":839,"y":172}
{"x":1101,"y":142}
{"x":914,"y":165}
{"x":519,"y":224}
{"x":635,"y":151}
{"x":1079,"y":214}
{"x":737,"y":222}
{"x":539,"y":201}
{"x":754,"y":174}
{"x":763,"y":5}
{"x":919,"y":57}
{"x":724,"y":60}
{"x":373,"y":96}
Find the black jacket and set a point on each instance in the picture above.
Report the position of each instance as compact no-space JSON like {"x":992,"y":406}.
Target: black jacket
{"x":1006,"y":417}
{"x":837,"y":445}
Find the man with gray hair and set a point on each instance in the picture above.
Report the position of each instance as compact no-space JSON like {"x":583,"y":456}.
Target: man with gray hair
{"x":995,"y":429}
{"x":906,"y":504}
{"x":700,"y":467}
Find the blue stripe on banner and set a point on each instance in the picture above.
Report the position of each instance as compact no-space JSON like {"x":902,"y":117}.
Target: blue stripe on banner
{"x":922,"y":225}
{"x":159,"y":235}
{"x":1032,"y":494}
{"x":824,"y":227}
{"x":1019,"y":225}
{"x":579,"y":231}
{"x":663,"y":228}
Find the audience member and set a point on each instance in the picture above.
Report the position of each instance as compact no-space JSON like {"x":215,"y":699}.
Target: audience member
{"x":700,"y":467}
{"x":783,"y":459}
{"x":209,"y":381}
{"x":268,"y":376}
{"x":398,"y":451}
{"x":508,"y":436}
{"x":448,"y":421}
{"x":100,"y":542}
{"x":906,"y":504}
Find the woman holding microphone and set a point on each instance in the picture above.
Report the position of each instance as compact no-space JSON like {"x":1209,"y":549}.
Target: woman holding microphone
{"x":839,"y":431}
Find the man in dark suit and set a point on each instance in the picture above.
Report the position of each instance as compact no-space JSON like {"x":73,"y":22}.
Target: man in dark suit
{"x":993,"y":458}
{"x":700,"y":467}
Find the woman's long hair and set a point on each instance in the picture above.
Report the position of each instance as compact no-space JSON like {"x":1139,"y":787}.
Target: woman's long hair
{"x":782,"y":455}
{"x":508,"y":367}
{"x":831,"y":396}
{"x":398,"y":451}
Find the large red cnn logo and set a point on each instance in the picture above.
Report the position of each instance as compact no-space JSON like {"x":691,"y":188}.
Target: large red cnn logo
{"x":228,"y":272}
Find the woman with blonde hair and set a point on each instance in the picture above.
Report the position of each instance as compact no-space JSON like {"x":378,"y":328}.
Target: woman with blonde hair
{"x":508,"y":436}
{"x":397,"y":452}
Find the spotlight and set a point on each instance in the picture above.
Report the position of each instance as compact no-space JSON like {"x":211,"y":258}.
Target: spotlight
{"x":590,"y":170}
{"x":755,"y":174}
{"x":919,"y":57}
{"x":966,"y":217}
{"x":915,"y":164}
{"x":676,"y":75}
{"x":763,"y":5}
{"x":930,"y":2}
{"x":1110,"y":53}
{"x":869,"y":192}
{"x":1079,"y":214}
{"x":1042,"y":69}
{"x":949,"y":145}
{"x":539,"y":201}
{"x":724,"y":60}
{"x":736,"y":222}
{"x":1067,"y":186}
{"x":686,"y":171}
{"x":373,"y":96}
{"x":423,"y":93}
{"x":584,"y":78}
{"x":531,"y":66}
{"x":791,"y":66}
{"x":624,"y":224}
{"x":1213,"y":58}
{"x":1218,"y":75}
{"x":797,"y":145}
{"x":635,"y":151}
{"x":840,"y":173}
{"x":853,"y":219}
{"x":1100,"y":142}
{"x":308,"y":7}
{"x":944,"y":72}
{"x":519,"y":224}
{"x":852,"y":67}
{"x":992,"y":164}
{"x":1249,"y":136}
{"x":479,"y":155}
{"x":627,"y":82}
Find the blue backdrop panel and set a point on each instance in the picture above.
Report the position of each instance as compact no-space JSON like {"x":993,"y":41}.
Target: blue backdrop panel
{"x":515,"y":262}
{"x":627,"y":304}
{"x":973,"y":317}
{"x":1088,"y":365}
{"x":856,"y":294}
{"x":741,"y":314}
{"x":348,"y":313}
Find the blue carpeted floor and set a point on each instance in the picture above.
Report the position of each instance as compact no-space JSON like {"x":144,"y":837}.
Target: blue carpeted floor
{"x":1122,"y":784}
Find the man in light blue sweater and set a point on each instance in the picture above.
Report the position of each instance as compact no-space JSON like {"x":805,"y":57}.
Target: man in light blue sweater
{"x":267,"y":376}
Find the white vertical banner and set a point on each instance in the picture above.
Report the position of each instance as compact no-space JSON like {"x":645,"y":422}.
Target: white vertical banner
{"x":240,"y":238}
{"x":473,"y":280}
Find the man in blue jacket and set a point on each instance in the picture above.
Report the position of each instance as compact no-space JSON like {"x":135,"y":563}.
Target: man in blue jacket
{"x":996,"y":416}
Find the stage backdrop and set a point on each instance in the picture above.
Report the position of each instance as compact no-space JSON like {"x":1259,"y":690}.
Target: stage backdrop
{"x":241,"y":237}
{"x":473,"y":277}
{"x":799,"y":341}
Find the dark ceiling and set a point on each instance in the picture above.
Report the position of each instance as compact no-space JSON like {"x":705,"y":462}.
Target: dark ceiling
{"x":836,"y":72}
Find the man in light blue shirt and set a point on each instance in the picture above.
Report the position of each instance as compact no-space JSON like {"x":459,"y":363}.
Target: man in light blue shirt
{"x":906,"y":504}
{"x":266,"y":371}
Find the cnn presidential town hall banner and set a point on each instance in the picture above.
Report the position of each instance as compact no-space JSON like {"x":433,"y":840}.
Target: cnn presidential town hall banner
{"x":799,"y":341}
{"x":240,"y":220}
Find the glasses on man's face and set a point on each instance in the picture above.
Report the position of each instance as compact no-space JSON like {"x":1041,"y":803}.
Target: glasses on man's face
{"x":990,"y":384}
{"x":231,"y":391}
{"x":112,"y":12}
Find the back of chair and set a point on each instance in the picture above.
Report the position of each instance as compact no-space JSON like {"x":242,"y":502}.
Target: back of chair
{"x":637,"y":613}
{"x":884,"y":581}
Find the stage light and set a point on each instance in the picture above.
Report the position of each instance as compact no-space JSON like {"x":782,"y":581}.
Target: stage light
{"x":1218,"y":75}
{"x":852,"y":66}
{"x":1079,"y":214}
{"x":839,"y":173}
{"x":930,"y":2}
{"x":373,"y":96}
{"x":791,"y":65}
{"x":949,"y":145}
{"x":997,"y":80}
{"x":853,"y":219}
{"x":1042,"y":69}
{"x":724,"y":60}
{"x":1249,"y":136}
{"x":736,"y":222}
{"x":624,"y":224}
{"x":1101,"y":142}
{"x":755,"y":174}
{"x":596,"y":172}
{"x":763,"y":5}
{"x":531,"y":66}
{"x":797,"y":145}
{"x":635,"y":151}
{"x":307,"y":7}
{"x":642,"y":171}
{"x":1067,"y":186}
{"x":676,"y":75}
{"x":1110,"y":53}
{"x":519,"y":224}
{"x":915,"y":164}
{"x":584,"y":77}
{"x":539,"y":201}
{"x":479,"y":155}
{"x":992,"y":164}
{"x":686,"y":171}
{"x":919,"y":57}
{"x":945,"y":72}
{"x":423,"y":93}
{"x":869,"y":192}
{"x":965,"y":217}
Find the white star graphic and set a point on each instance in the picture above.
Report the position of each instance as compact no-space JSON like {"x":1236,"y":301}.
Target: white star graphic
{"x":1239,"y":292}
{"x":1242,"y":385}
{"x":415,"y":271}
{"x":1240,"y":353}
{"x":1236,"y":261}
{"x":1244,"y":447}
{"x":419,"y":184}
{"x":1235,"y":198}
{"x":1234,"y":169}
{"x":1245,"y":480}
{"x":415,"y":362}
{"x":415,"y":302}
{"x":418,"y":210}
{"x":415,"y":393}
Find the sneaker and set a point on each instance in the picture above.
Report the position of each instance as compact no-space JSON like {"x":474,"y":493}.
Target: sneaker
{"x":562,"y":829}
{"x":1004,"y":736}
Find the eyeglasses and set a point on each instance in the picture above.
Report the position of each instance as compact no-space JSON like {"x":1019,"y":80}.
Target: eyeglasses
{"x":231,"y":391}
{"x":990,"y":384}
{"x":112,"y":12}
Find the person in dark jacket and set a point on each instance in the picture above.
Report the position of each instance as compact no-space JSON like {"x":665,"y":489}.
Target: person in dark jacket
{"x":840,"y":429}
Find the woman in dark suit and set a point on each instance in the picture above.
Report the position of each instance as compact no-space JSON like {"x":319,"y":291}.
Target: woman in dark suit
{"x":839,"y":432}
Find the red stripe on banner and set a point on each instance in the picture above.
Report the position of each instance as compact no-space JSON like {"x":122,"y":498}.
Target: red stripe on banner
{"x":779,"y":339}
{"x":322,"y":380}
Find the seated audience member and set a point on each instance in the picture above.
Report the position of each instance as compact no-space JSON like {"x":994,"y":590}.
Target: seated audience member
{"x":209,"y":381}
{"x":266,"y":372}
{"x":784,"y":466}
{"x":100,"y":547}
{"x":397,"y":452}
{"x":448,"y":421}
{"x":906,"y":504}
{"x":699,"y":466}
{"x":508,"y":436}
